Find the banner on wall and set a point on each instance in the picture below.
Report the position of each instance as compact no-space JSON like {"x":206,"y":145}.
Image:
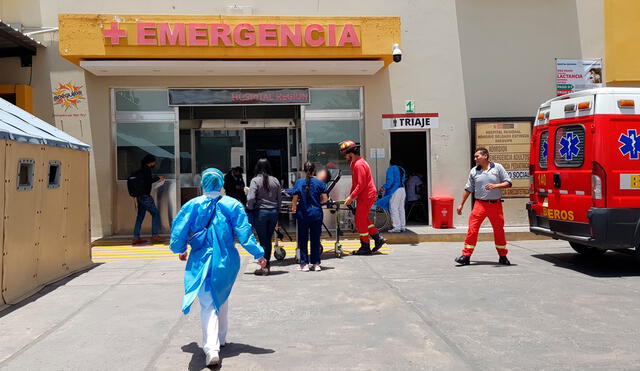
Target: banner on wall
{"x":508,"y":144}
{"x":69,"y":99}
{"x":573,"y":75}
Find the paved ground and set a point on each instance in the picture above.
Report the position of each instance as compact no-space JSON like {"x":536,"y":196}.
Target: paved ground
{"x":411,"y":309}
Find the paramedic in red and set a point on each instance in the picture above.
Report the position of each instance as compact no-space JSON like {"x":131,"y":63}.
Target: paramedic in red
{"x":364,"y":191}
{"x":485,"y":181}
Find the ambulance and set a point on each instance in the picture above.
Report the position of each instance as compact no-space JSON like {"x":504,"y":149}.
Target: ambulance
{"x":584,"y":170}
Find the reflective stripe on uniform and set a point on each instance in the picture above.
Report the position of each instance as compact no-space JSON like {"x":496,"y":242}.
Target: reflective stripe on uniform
{"x":500,"y":247}
{"x":469,"y":247}
{"x":371,"y":226}
{"x":364,"y":234}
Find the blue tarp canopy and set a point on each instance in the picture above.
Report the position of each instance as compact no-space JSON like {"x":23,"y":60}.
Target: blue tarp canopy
{"x":21,"y":126}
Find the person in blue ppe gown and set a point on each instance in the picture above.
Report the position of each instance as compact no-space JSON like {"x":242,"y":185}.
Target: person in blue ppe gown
{"x":214,"y":261}
{"x":394,"y":196}
{"x":309,"y":194}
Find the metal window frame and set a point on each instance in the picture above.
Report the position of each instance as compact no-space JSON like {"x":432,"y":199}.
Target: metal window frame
{"x":31,"y":166}
{"x":56,"y":183}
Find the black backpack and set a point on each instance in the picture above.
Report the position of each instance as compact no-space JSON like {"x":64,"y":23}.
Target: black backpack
{"x":135,"y":184}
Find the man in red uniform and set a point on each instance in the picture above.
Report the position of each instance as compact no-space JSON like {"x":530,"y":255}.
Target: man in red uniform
{"x":485,"y":181}
{"x":364,"y":190}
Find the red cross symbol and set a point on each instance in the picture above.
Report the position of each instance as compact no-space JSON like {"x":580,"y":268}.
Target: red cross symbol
{"x":115,"y":33}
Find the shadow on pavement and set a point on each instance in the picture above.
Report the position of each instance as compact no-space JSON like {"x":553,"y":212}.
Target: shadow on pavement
{"x":611,"y":264}
{"x":47,"y":289}
{"x":230,"y":350}
{"x":481,"y":262}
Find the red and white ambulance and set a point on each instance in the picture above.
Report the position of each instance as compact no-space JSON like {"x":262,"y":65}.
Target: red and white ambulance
{"x":585,"y":170}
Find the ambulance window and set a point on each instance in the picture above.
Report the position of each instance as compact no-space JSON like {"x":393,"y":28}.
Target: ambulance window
{"x":544,"y":149}
{"x":569,"y":146}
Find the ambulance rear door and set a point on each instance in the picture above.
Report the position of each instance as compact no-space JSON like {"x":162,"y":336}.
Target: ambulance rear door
{"x":539,"y":165}
{"x":617,"y":154}
{"x":569,"y":163}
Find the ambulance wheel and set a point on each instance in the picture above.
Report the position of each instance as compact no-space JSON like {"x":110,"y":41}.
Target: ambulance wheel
{"x":321,"y":249}
{"x":585,"y":250}
{"x":279,"y":253}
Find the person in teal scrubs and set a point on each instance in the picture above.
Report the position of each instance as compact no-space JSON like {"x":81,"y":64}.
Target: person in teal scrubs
{"x":210,"y":224}
{"x":309,"y":194}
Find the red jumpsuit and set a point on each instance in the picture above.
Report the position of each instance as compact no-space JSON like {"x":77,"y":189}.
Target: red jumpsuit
{"x":364,"y":191}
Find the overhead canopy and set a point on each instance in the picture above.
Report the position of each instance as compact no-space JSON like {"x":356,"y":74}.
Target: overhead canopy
{"x":21,"y":126}
{"x":147,"y":42}
{"x":14,"y":43}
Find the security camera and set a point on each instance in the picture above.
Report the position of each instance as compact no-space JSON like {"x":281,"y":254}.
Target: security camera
{"x":396,"y":52}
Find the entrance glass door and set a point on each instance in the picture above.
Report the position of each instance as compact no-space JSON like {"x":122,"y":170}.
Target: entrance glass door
{"x":272,"y":145}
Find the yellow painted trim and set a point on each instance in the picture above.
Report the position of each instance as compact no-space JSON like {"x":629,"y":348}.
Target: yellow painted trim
{"x":81,"y":38}
{"x":621,"y":27}
{"x":23,"y":95}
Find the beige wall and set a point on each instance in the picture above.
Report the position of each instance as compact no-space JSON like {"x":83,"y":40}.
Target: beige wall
{"x":508,"y":56}
{"x":462,"y":59}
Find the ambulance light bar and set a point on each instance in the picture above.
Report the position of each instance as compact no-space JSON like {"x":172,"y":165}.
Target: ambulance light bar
{"x":630,"y":103}
{"x":584,"y":106}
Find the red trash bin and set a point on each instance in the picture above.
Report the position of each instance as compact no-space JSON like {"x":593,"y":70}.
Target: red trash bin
{"x":442,"y":211}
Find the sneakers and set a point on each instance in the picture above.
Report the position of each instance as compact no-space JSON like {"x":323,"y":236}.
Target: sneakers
{"x":378,"y":242}
{"x":262,"y":271}
{"x":304,"y":267}
{"x":504,"y":261}
{"x":316,"y":268}
{"x":463,"y":260}
{"x":395,"y":230}
{"x":212,"y":359}
{"x":138,"y":241}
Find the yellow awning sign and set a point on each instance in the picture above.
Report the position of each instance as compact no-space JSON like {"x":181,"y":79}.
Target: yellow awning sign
{"x":96,"y":36}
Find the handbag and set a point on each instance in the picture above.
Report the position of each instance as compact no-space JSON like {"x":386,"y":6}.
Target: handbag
{"x":199,"y":239}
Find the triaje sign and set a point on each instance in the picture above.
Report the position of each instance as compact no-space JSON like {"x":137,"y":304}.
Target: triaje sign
{"x":244,"y":34}
{"x":410,"y":121}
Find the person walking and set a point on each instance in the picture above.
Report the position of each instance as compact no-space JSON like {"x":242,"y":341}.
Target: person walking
{"x":234,"y":185}
{"x":211,"y":223}
{"x":264,"y":202}
{"x":364,"y":191}
{"x":309,"y":194}
{"x":394,"y":196}
{"x":486,"y":180}
{"x":145,"y":202}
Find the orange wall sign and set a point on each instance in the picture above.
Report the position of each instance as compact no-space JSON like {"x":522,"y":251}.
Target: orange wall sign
{"x":244,"y":34}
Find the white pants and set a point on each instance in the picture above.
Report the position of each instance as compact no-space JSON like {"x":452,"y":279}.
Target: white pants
{"x":396,"y":208}
{"x":214,"y":325}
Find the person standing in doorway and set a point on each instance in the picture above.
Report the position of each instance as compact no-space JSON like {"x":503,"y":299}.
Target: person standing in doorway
{"x":234,"y":185}
{"x":486,"y":180}
{"x":211,"y":224}
{"x":145,"y":202}
{"x":394,"y":196}
{"x":309,"y":194}
{"x":364,"y":191}
{"x":264,"y":202}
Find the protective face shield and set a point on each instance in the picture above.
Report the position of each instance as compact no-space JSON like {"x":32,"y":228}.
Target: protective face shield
{"x":212,"y":180}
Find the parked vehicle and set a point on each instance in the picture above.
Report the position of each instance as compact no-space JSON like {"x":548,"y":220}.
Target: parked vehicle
{"x":585,"y":170}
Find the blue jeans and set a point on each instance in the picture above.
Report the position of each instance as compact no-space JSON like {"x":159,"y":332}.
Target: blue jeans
{"x":304,"y":228}
{"x":264,"y":222}
{"x":146,"y":203}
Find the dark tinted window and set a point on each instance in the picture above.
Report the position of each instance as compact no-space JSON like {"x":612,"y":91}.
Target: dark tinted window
{"x":569,"y":146}
{"x":544,"y":149}
{"x":54,"y":174}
